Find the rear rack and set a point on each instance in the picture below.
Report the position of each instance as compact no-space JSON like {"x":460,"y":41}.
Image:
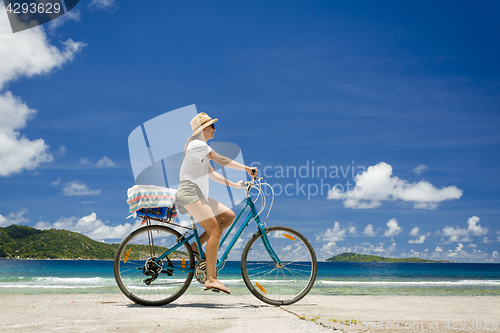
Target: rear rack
{"x":160,"y":214}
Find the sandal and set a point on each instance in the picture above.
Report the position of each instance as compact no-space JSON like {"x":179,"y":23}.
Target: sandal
{"x":217,"y":289}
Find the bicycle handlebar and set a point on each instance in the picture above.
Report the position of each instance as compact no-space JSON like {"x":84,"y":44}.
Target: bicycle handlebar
{"x":247,"y":185}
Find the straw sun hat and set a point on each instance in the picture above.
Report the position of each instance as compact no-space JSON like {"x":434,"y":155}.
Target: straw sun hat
{"x":200,"y":122}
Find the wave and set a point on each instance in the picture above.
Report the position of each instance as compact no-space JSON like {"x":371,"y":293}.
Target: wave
{"x":58,"y":282}
{"x":52,"y":282}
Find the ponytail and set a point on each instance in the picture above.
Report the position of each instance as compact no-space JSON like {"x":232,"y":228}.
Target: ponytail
{"x":194,"y":137}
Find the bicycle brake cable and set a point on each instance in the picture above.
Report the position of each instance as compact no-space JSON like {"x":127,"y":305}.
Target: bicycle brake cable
{"x":264,"y":200}
{"x":272,"y":202}
{"x":259,"y":189}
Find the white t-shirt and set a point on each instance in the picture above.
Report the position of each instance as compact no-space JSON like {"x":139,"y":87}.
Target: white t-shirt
{"x":195,"y":165}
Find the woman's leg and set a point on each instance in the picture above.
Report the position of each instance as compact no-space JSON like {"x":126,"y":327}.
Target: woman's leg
{"x":204,"y":215}
{"x":225,"y":216}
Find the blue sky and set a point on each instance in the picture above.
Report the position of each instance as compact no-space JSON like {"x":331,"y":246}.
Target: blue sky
{"x":406,"y":94}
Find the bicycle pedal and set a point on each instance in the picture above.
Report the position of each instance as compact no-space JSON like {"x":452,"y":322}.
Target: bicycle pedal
{"x":170,"y":264}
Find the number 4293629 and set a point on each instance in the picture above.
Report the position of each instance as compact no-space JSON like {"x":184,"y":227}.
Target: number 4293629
{"x":33,"y":8}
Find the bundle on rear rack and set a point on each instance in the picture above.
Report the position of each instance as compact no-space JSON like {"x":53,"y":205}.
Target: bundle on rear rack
{"x":152,"y":202}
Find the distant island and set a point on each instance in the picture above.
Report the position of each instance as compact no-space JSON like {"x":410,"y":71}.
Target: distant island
{"x":21,"y":242}
{"x":353,"y":257}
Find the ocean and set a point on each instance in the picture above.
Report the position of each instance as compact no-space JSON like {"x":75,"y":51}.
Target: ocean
{"x":26,"y":277}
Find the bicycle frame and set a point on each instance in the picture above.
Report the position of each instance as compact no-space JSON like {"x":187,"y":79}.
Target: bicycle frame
{"x":252,"y":216}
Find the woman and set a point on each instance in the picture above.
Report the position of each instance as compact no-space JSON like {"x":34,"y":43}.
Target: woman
{"x":192,"y":193}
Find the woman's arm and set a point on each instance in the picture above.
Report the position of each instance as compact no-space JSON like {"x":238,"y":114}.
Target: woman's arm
{"x":220,"y":179}
{"x":227,"y":162}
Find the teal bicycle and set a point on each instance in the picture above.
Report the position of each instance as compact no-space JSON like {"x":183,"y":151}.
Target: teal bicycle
{"x":155,"y":265}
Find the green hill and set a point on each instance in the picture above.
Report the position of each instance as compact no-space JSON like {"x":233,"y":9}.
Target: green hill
{"x":353,"y":257}
{"x":21,"y":242}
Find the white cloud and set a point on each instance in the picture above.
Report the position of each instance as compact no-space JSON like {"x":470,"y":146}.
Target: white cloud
{"x":455,"y":233}
{"x":335,"y":234}
{"x":329,"y":249}
{"x":91,"y":226}
{"x":414,"y":253}
{"x":472,"y":245}
{"x":392,"y":247}
{"x":78,"y":188}
{"x":29,"y":53}
{"x":419,"y":240}
{"x":185,"y":223}
{"x":394,"y":228}
{"x":56,"y":182}
{"x":72,"y":15}
{"x":105,"y":162}
{"x":377,"y":184}
{"x":240,"y":242}
{"x":473,"y":229}
{"x":369,"y":231}
{"x":85,"y":161}
{"x":25,"y":53}
{"x":379,"y":248}
{"x":102,"y":4}
{"x":62,"y":150}
{"x":415,"y":232}
{"x":17,"y":153}
{"x":418,"y":170}
{"x":459,"y":254}
{"x":383,"y":251}
{"x":13,"y":218}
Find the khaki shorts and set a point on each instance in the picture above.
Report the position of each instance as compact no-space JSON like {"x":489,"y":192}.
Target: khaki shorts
{"x":187,"y":192}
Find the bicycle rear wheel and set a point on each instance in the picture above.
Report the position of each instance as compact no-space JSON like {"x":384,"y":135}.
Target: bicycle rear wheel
{"x":143,"y":278}
{"x":276,"y":284}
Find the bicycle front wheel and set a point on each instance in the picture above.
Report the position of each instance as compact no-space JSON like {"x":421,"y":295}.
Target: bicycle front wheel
{"x":279,"y":283}
{"x":145,"y":279}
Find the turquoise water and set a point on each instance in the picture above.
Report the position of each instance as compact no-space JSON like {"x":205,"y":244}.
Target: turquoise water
{"x":96,"y":276}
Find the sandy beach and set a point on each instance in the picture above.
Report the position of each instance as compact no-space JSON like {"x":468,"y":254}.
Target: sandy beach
{"x":226,"y":313}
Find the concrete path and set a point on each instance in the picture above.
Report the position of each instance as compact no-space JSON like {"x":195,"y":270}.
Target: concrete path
{"x":227,"y":313}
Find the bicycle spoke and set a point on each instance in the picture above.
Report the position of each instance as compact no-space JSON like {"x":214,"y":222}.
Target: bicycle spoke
{"x":143,"y":278}
{"x":283,"y":283}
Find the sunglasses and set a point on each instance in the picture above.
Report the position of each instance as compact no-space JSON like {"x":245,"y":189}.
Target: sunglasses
{"x":213,"y":127}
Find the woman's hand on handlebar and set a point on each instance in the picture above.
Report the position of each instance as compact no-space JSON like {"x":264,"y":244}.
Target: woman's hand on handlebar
{"x":253,"y":172}
{"x":239,"y":184}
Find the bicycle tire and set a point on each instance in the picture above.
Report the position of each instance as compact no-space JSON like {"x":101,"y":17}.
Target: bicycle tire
{"x":276,"y":285}
{"x":131,"y":261}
